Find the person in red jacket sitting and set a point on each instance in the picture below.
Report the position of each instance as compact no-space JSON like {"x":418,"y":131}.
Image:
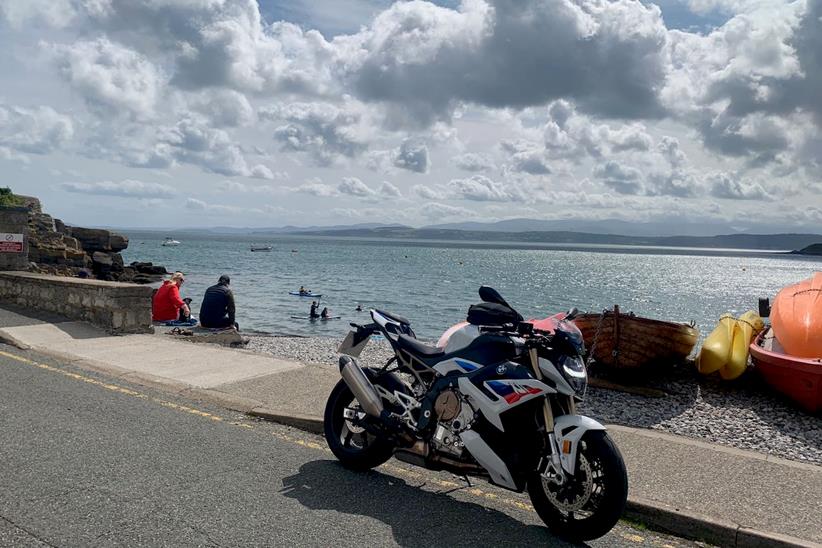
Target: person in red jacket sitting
{"x":167,"y":303}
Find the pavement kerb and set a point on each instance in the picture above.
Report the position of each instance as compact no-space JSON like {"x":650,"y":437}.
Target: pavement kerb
{"x":662,"y":517}
{"x":12,"y":341}
{"x":309,"y":423}
{"x":223,"y":399}
{"x":655,"y":515}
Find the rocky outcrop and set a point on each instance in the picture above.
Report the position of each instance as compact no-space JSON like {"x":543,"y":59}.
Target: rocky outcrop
{"x":56,"y":248}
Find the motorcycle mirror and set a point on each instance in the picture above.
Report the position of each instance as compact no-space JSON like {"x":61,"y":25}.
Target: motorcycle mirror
{"x":491,"y":295}
{"x":573,"y":313}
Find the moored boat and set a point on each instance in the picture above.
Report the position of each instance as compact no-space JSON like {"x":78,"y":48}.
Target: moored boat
{"x":798,"y":378}
{"x":796,"y":318}
{"x":261,"y":248}
{"x":170,"y":242}
{"x":627,"y":341}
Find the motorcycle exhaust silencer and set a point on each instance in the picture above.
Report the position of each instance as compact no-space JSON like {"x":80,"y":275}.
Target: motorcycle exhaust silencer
{"x":362,"y":388}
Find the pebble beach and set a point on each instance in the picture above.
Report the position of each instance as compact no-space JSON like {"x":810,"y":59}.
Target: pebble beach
{"x":745,"y":414}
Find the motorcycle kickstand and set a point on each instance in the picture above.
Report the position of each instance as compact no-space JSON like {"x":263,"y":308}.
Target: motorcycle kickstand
{"x":464,"y":478}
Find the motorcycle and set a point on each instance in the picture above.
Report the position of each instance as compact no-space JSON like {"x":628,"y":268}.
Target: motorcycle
{"x":495,"y":399}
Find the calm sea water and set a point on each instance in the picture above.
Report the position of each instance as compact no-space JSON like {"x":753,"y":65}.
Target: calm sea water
{"x":433,"y":283}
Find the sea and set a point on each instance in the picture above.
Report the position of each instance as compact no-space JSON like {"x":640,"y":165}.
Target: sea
{"x":432,"y":283}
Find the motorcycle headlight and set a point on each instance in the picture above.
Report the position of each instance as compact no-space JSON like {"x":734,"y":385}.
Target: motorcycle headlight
{"x":573,"y":369}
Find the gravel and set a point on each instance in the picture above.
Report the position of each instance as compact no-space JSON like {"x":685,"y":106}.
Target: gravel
{"x":745,"y":414}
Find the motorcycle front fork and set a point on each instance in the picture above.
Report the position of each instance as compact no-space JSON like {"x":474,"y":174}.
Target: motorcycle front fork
{"x":550,"y":466}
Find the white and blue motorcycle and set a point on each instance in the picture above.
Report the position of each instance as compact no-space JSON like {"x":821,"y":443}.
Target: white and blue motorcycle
{"x":496,"y":398}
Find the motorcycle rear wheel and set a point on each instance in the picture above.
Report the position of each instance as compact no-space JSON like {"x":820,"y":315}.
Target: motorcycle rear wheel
{"x":355,"y":448}
{"x":589,"y":506}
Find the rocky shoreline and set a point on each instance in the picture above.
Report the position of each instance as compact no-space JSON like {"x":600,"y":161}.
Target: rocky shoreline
{"x":744,"y":415}
{"x":63,"y":250}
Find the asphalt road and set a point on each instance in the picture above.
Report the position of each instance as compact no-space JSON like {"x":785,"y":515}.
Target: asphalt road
{"x":88,"y":461}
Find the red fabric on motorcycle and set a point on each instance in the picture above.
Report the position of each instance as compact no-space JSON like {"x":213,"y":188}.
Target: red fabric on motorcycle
{"x":492,"y":314}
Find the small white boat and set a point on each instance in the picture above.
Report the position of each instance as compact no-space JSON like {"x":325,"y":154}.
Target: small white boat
{"x":261,"y":248}
{"x":170,"y":242}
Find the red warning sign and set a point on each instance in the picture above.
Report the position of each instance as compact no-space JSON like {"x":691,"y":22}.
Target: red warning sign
{"x":11,"y":243}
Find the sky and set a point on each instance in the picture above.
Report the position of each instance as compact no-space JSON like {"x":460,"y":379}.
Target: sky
{"x":199,"y":113}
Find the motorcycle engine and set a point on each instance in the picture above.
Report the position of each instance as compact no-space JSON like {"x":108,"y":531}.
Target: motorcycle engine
{"x":447,"y":405}
{"x":453,"y":416}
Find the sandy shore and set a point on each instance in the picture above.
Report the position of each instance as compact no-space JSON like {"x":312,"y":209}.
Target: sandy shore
{"x":745,"y":414}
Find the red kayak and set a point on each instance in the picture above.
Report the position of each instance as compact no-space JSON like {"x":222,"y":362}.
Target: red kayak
{"x":798,"y":378}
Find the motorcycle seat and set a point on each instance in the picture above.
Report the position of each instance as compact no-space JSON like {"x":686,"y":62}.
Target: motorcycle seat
{"x":418,"y":349}
{"x":397,"y":318}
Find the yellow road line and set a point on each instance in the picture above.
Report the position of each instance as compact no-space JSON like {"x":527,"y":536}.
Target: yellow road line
{"x":396,"y":470}
{"x":112,"y":387}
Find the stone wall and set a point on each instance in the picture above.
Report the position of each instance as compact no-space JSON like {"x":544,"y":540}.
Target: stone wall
{"x":14,"y":220}
{"x":114,"y":306}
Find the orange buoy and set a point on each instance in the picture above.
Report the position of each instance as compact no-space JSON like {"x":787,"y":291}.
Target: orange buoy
{"x":796,"y":317}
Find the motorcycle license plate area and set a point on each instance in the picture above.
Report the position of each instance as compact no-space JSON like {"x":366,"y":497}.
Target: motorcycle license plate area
{"x":348,"y":347}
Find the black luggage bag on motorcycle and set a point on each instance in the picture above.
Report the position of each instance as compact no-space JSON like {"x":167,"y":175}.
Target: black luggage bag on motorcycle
{"x":492,"y":314}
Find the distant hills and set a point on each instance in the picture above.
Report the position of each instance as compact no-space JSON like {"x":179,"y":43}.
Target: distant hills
{"x":565,"y":232}
{"x":776,"y":242}
{"x":670,"y":227}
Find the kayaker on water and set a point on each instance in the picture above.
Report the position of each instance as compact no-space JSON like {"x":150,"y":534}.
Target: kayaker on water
{"x":304,"y":291}
{"x":313,"y":314}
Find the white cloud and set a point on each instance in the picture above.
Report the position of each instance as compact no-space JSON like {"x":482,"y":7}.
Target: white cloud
{"x":388,"y":190}
{"x":324,"y":130}
{"x":194,"y":204}
{"x":424,"y":59}
{"x":316,"y":188}
{"x":428,"y":193}
{"x":128,"y":188}
{"x":734,"y":187}
{"x":109,"y":75}
{"x":37,"y":130}
{"x":261,"y":171}
{"x":236,"y":187}
{"x":471,"y":161}
{"x":225,"y":108}
{"x":354,"y":187}
{"x":480,"y":188}
{"x":621,"y":178}
{"x":193,"y":141}
{"x":54,"y":13}
{"x":527,"y":157}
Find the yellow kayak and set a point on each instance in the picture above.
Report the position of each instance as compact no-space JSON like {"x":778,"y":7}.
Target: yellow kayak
{"x":716,"y":350}
{"x":748,"y":325}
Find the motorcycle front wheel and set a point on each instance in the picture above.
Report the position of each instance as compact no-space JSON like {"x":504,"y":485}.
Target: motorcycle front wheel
{"x":355,"y":448}
{"x":589,"y":504}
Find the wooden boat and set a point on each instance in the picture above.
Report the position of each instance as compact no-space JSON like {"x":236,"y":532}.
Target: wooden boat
{"x":627,"y":341}
{"x":798,"y":378}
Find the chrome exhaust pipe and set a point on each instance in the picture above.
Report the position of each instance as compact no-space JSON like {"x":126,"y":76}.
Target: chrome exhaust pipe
{"x":362,"y":388}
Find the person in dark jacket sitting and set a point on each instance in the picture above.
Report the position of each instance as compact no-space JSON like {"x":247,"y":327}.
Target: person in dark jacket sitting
{"x":217,"y":309}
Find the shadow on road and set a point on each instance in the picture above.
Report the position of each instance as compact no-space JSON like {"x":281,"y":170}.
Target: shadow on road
{"x":417,"y":517}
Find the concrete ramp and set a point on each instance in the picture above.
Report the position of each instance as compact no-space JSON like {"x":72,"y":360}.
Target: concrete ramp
{"x":198,"y":365}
